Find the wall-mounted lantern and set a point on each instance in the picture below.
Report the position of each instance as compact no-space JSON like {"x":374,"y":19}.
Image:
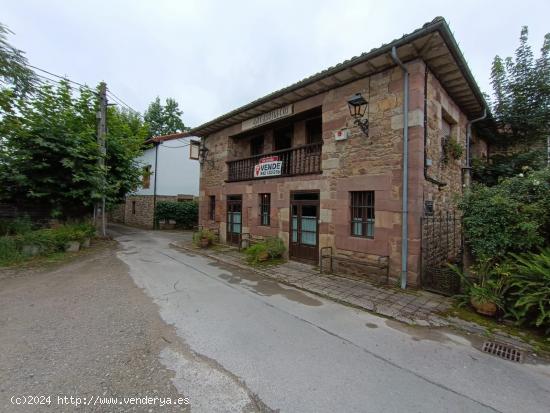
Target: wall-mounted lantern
{"x":203,"y":154}
{"x":357,"y":105}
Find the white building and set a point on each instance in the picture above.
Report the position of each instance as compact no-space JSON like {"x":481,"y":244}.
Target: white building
{"x":169,"y":175}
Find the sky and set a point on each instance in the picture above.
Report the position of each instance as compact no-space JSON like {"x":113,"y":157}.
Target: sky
{"x":213,"y":56}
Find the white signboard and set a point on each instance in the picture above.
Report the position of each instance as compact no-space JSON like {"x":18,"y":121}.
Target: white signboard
{"x":270,"y":166}
{"x":267,"y":117}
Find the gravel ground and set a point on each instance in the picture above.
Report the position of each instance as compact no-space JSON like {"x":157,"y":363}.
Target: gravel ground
{"x":81,"y":329}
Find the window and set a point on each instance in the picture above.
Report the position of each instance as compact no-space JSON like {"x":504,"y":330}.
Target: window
{"x":362,"y":214}
{"x":133,"y":207}
{"x":265,"y":209}
{"x":212,"y":208}
{"x":257,"y":146}
{"x":282,"y":138}
{"x":314,"y":130}
{"x":146,"y":177}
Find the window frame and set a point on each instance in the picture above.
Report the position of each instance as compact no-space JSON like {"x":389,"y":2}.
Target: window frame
{"x":265,"y":209}
{"x":362,"y":214}
{"x":212,"y":207}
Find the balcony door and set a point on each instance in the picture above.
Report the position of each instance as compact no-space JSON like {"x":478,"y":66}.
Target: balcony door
{"x":234,"y":219}
{"x":304,"y":226}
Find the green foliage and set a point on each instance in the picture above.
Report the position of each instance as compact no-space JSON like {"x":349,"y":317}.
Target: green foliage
{"x":204,"y":233}
{"x":49,"y":241}
{"x":452,"y":149}
{"x":506,"y":166}
{"x":521,"y":109}
{"x":164,"y":119}
{"x":521,"y":92}
{"x":513,"y":216}
{"x":186,"y":214}
{"x":16,"y":78}
{"x":270,"y":248}
{"x":275,"y":247}
{"x":15,"y":226}
{"x":528,"y":301}
{"x":49,"y":154}
{"x":488,"y":283}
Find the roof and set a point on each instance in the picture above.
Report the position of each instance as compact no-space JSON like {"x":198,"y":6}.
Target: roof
{"x":171,"y":136}
{"x":433,"y":42}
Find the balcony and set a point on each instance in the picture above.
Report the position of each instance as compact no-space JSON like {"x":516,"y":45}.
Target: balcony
{"x":300,"y":160}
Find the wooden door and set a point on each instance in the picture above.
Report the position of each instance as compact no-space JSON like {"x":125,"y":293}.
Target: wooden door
{"x":304,"y":226}
{"x":234,"y":219}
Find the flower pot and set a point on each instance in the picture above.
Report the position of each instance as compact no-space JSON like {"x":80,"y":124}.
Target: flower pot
{"x":72,"y":246}
{"x":486,"y":308}
{"x":263,"y":256}
{"x":205,"y":242}
{"x":85,"y":243}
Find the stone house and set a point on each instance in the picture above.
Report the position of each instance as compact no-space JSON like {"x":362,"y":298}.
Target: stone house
{"x":168,"y":175}
{"x":321,"y":163}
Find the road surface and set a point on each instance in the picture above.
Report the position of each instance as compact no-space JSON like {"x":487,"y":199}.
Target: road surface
{"x":258,"y":343}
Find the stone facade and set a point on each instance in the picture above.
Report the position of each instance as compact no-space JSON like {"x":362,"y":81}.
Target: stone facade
{"x":359,"y":163}
{"x":138,"y":210}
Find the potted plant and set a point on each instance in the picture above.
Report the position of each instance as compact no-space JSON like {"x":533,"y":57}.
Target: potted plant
{"x":486,"y":291}
{"x":203,"y":238}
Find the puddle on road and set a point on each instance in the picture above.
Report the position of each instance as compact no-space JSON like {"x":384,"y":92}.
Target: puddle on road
{"x":264,"y":286}
{"x":371,"y":325}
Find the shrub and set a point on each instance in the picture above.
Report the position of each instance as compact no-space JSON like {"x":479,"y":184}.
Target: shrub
{"x":275,"y":247}
{"x":15,"y":226}
{"x":9,"y":251}
{"x":513,"y":216}
{"x":528,"y":301}
{"x":186,"y":214}
{"x":204,"y":233}
{"x":256,"y":252}
{"x":451,"y":150}
{"x":271,"y":247}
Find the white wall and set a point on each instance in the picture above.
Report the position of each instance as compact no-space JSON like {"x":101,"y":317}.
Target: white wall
{"x":176,"y":173}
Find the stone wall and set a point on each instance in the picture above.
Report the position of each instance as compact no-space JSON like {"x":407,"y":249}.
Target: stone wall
{"x":359,"y":163}
{"x":139,"y":210}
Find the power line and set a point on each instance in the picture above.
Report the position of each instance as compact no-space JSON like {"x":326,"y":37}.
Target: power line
{"x":119,"y":100}
{"x":60,"y":77}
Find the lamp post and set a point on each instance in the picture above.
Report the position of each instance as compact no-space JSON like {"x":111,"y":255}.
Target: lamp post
{"x":357,"y":105}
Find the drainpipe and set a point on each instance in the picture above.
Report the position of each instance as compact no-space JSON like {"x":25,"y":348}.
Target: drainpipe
{"x":405,"y":195}
{"x":155,"y":186}
{"x":468,"y":167}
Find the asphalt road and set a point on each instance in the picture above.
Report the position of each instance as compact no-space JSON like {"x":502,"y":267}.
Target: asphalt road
{"x":248,"y":343}
{"x":138,"y":318}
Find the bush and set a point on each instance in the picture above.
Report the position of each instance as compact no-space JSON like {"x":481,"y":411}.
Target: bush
{"x":528,"y":300}
{"x":15,"y":226}
{"x":9,"y":252}
{"x":186,"y":214}
{"x":275,"y":247}
{"x":513,"y":216}
{"x":203,"y":233}
{"x":270,"y":248}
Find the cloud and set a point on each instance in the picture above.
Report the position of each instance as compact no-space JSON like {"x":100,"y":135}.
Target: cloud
{"x":213,"y":56}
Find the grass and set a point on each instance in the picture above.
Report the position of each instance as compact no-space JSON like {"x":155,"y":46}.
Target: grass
{"x":536,"y":338}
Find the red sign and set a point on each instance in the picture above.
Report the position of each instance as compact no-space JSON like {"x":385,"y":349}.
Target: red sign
{"x":269,"y":159}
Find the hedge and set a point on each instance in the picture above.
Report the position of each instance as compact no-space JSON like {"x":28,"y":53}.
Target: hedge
{"x":186,"y":214}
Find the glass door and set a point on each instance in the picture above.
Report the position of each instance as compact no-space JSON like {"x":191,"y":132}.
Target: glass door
{"x":234,"y":219}
{"x":304,"y":227}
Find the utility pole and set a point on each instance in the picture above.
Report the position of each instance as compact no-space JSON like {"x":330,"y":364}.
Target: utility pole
{"x":101,"y":132}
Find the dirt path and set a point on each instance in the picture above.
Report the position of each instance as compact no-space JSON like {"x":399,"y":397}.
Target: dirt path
{"x":85,"y":330}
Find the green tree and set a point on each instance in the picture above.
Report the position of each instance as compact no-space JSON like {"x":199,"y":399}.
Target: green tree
{"x":521,"y":109}
{"x":49,"y":151}
{"x":164,"y":119}
{"x":15,"y":75}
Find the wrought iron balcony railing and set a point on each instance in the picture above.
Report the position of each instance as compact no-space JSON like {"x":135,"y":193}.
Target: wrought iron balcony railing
{"x":300,"y":160}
